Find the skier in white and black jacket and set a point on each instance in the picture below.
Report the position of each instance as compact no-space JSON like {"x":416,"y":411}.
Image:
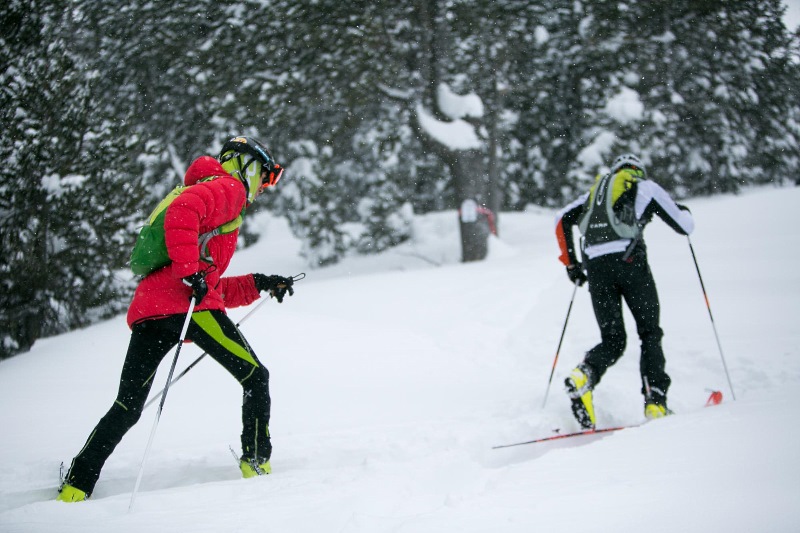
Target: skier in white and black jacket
{"x":611,"y":216}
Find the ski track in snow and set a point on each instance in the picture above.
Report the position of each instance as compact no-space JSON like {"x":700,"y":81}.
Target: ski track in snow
{"x":392,"y":379}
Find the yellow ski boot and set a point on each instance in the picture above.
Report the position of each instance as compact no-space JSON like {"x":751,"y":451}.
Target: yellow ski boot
{"x":654,"y":410}
{"x":579,"y":390}
{"x":252,"y":468}
{"x":70,"y":494}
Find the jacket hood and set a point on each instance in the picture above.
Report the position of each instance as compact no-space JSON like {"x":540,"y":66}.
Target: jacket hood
{"x":203,"y":167}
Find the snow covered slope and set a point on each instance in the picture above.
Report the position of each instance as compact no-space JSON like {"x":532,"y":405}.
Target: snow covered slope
{"x":393,"y":376}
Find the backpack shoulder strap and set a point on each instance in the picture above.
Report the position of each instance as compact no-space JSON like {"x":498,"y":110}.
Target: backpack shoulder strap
{"x":163,"y":204}
{"x":228,"y":227}
{"x":596,"y":192}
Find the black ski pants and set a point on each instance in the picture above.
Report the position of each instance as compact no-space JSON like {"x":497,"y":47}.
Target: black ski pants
{"x":150,"y":341}
{"x":610,"y":280}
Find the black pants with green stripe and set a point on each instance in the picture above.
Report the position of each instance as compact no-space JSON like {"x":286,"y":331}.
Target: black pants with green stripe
{"x":150,"y":341}
{"x":610,"y":280}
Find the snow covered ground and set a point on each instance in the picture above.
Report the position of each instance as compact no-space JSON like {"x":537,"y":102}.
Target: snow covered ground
{"x":393,"y":376}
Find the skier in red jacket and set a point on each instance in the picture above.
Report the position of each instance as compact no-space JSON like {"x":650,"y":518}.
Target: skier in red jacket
{"x":221,"y":189}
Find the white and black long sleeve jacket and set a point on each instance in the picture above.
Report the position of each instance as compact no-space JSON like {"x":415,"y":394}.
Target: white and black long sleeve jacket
{"x":650,"y":199}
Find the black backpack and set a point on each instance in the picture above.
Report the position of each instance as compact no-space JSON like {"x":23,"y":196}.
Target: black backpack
{"x":609,"y":212}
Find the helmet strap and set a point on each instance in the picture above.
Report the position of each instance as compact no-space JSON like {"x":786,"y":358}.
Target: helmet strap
{"x":243,"y":176}
{"x":240,"y":172}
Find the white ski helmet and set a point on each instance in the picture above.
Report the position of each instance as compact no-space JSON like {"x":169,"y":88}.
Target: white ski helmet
{"x":627,"y":161}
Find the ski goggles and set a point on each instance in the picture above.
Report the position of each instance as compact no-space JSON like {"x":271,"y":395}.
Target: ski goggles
{"x":272,"y":176}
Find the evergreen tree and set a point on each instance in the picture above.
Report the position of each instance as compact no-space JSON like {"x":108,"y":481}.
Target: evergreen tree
{"x":159,"y":69}
{"x":386,"y":218}
{"x":683,"y":83}
{"x":703,"y":107}
{"x":320,"y":72}
{"x":775,"y":157}
{"x":311,"y":205}
{"x":62,"y":238}
{"x":549,"y":100}
{"x":104,"y":101}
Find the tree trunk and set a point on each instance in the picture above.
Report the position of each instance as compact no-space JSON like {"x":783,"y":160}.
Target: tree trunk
{"x":470,"y":178}
{"x":468,"y":167}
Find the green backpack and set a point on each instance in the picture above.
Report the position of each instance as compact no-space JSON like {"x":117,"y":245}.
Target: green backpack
{"x":150,"y":251}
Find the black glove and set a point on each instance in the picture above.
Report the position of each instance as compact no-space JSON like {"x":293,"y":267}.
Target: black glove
{"x":277,"y":286}
{"x":199,"y":287}
{"x":576,"y":275}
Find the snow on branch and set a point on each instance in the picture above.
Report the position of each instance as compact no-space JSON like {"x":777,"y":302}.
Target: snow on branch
{"x":456,"y":135}
{"x":625,"y":107}
{"x":456,"y":106}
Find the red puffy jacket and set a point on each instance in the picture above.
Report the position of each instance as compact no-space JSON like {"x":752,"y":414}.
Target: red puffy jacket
{"x":198,"y":209}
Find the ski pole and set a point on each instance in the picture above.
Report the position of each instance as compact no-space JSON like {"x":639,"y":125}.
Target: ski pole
{"x":194,"y":363}
{"x":711,"y":316}
{"x":163,"y":399}
{"x":563,"y":330}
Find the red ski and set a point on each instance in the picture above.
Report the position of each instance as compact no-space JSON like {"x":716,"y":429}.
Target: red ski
{"x":565,"y":436}
{"x":714,"y":399}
